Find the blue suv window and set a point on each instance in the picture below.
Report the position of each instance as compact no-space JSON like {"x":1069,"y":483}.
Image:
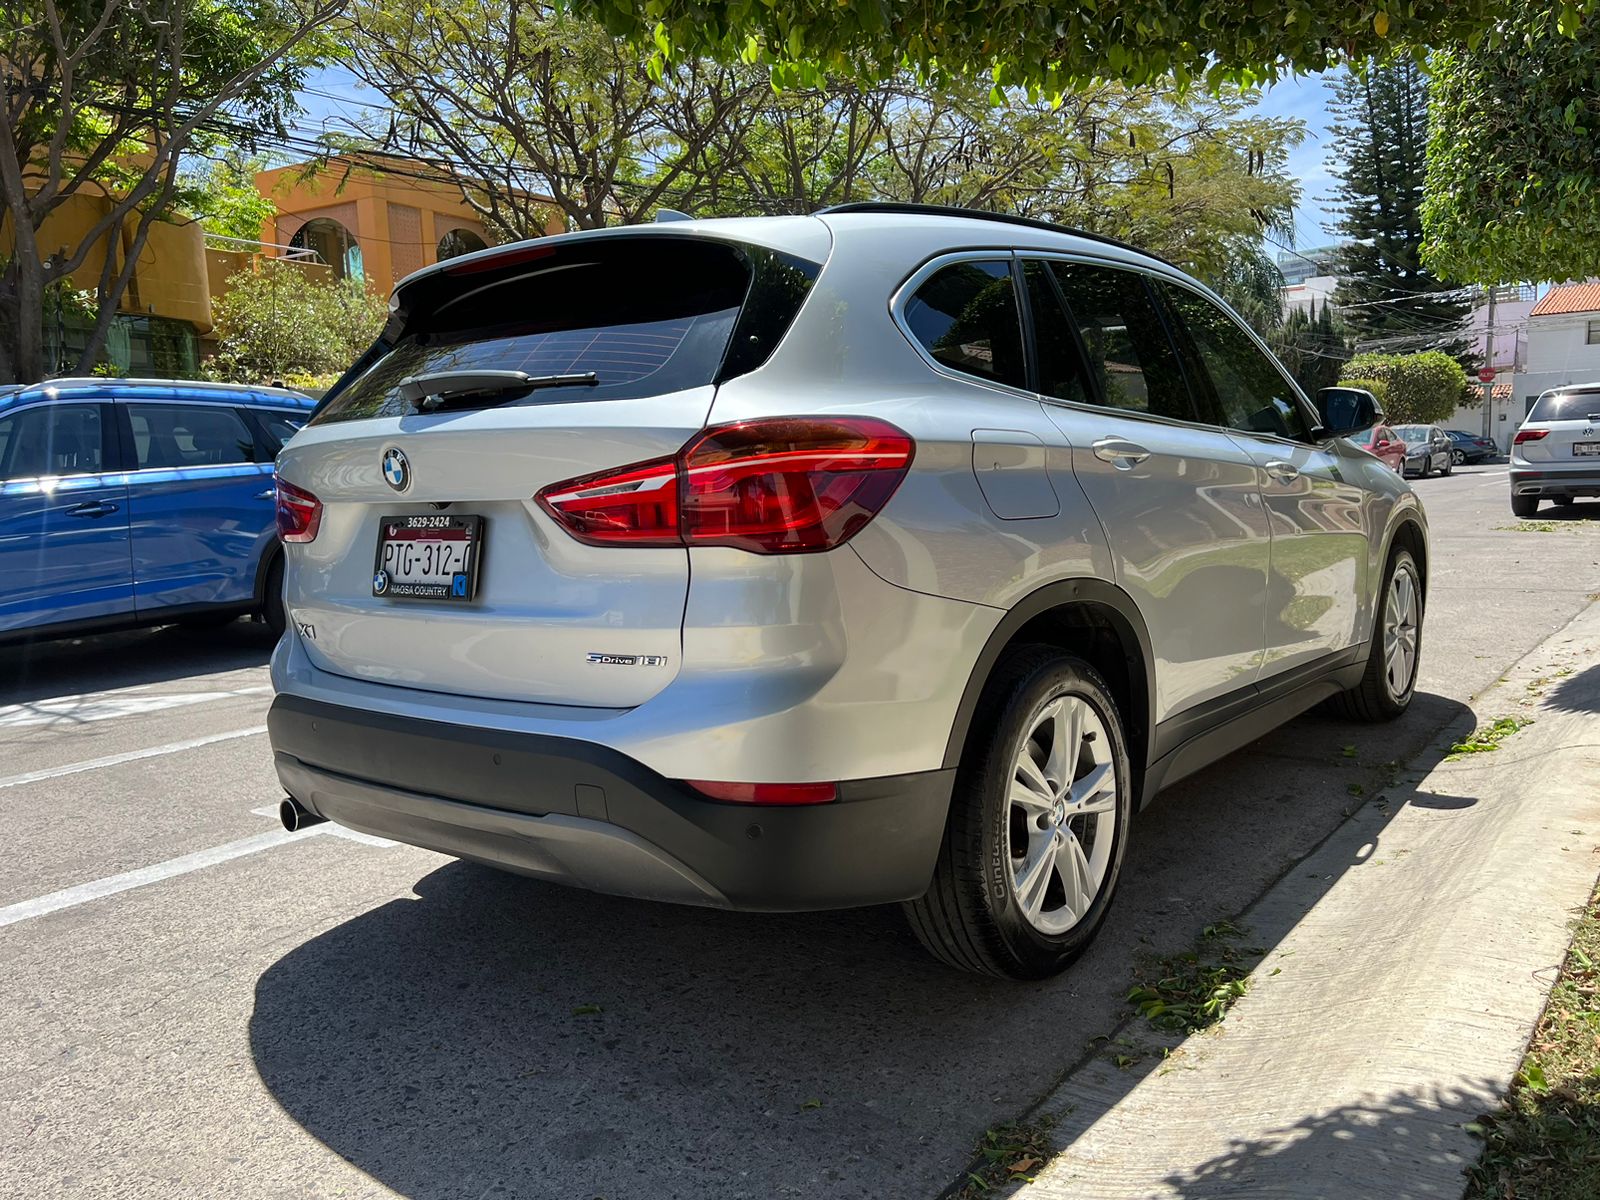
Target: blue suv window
{"x":53,"y":439}
{"x":189,"y":435}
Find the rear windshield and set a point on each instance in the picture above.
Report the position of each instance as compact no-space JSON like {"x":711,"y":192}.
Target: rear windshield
{"x":646,"y":315}
{"x":1566,"y":406}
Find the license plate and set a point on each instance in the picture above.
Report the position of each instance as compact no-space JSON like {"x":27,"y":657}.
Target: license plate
{"x":1586,"y":449}
{"x":428,"y":557}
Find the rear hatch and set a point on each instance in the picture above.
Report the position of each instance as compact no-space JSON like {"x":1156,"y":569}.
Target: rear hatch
{"x":432,"y":445}
{"x":1562,"y":431}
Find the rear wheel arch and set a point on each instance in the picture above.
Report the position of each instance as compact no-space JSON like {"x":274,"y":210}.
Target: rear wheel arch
{"x":1408,"y":534}
{"x":1093,"y":620}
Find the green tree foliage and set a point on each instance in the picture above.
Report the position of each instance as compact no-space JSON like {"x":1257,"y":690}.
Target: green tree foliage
{"x":1378,"y":387}
{"x":1312,"y":345}
{"x":277,"y":321}
{"x":1380,"y":141}
{"x":221,"y":193}
{"x":1054,"y":45}
{"x":101,"y":98}
{"x":1513,"y":190}
{"x":1423,"y":387}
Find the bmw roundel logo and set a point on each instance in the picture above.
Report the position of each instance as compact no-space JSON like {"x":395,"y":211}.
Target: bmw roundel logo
{"x":380,"y":583}
{"x":396,"y":470}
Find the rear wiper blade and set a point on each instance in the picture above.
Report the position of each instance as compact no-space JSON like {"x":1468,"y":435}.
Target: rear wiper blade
{"x":437,"y":387}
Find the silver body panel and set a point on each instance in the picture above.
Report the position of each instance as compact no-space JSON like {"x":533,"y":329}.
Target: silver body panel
{"x":850,"y":664}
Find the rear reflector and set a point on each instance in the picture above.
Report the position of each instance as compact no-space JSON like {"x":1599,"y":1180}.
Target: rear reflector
{"x":1530,"y":435}
{"x":299,"y":513}
{"x":781,"y":485}
{"x":766,"y":793}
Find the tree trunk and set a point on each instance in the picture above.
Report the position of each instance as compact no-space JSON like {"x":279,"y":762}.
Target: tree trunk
{"x":26,"y":324}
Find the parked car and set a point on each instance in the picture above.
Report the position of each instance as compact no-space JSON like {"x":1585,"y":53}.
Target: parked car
{"x":1428,"y":449}
{"x":1555,"y":454}
{"x":884,"y":554}
{"x":1380,"y":442}
{"x":1470,"y":448}
{"x":139,"y":502}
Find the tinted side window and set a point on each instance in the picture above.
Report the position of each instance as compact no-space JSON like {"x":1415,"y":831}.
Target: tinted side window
{"x":281,"y":426}
{"x":189,"y":435}
{"x":1251,"y":393}
{"x":965,"y":315}
{"x":1129,"y":353}
{"x":55,"y":439}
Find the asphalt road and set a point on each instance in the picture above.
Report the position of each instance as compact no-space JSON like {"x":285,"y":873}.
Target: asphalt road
{"x":196,"y":1004}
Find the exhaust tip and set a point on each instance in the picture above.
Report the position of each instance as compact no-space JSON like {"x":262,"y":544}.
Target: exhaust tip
{"x":296,"y":816}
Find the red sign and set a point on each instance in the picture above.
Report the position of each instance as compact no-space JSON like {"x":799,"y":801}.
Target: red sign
{"x":1486,"y":375}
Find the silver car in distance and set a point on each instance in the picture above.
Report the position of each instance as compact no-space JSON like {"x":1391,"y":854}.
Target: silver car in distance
{"x":889,"y":554}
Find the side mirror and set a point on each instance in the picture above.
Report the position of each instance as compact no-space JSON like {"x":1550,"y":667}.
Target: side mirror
{"x":1345,"y":410}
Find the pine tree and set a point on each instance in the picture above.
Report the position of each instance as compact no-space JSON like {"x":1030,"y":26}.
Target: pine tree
{"x":1312,"y":345}
{"x":1380,"y":146}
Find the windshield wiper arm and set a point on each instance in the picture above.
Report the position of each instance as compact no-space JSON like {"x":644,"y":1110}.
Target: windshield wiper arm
{"x":419,"y":389}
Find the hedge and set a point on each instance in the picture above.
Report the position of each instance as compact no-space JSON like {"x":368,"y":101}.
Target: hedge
{"x":1421,"y":388}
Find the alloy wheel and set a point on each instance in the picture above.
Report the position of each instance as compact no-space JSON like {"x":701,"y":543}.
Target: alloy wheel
{"x":1062,"y":814}
{"x":1400,"y":625}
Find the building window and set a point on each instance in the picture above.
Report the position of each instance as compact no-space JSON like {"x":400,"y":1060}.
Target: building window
{"x":460,"y":241}
{"x":1594,"y":333}
{"x":334,"y":245}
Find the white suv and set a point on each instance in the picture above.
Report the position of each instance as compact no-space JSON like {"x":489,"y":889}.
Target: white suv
{"x":886,"y":554}
{"x":1555,"y":454}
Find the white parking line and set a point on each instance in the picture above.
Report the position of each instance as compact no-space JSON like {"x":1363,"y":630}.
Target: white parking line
{"x":103,"y":706}
{"x":112,"y":760}
{"x":83,"y":893}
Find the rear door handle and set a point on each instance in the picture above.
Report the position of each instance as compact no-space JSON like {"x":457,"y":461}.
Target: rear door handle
{"x":1120,"y":453}
{"x":269,"y":494}
{"x":92,"y":508}
{"x":1283,"y":472}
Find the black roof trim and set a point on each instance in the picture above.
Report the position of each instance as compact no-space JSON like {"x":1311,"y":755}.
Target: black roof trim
{"x":950,"y":210}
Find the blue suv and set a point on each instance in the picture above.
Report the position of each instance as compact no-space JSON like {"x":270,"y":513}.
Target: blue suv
{"x":139,"y":502}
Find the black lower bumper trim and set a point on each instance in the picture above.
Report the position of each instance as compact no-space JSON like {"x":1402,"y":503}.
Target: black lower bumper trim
{"x":581,"y":813}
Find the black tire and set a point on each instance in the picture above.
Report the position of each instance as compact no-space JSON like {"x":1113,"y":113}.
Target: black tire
{"x":1427,"y":468}
{"x":272,"y":598}
{"x":970,"y":917}
{"x":1373,"y":700}
{"x":1524,"y":506}
{"x":1450,"y":465}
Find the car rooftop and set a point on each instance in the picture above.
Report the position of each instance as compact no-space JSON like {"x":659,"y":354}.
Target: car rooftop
{"x":170,"y":389}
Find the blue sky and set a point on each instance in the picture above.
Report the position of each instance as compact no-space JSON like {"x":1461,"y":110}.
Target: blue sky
{"x":334,"y":92}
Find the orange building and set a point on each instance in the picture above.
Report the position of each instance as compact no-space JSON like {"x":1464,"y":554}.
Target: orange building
{"x":373,"y":225}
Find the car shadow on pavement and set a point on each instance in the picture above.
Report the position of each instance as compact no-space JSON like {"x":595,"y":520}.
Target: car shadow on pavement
{"x":495,"y":1035}
{"x":31,"y":671}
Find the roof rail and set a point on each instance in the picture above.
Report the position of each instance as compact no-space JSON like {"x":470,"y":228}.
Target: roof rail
{"x":951,"y":210}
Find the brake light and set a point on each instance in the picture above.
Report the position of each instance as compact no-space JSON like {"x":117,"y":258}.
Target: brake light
{"x":771,"y":486}
{"x":512,"y":257}
{"x":1530,"y":435}
{"x":767,"y":793}
{"x":299,"y":513}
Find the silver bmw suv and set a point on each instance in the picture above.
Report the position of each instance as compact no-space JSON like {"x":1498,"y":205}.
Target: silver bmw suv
{"x":889,"y":554}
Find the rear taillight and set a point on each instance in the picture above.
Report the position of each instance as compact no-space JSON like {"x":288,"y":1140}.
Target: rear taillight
{"x":766,"y":793}
{"x":1530,"y":435}
{"x":299,"y":513}
{"x":773,"y":486}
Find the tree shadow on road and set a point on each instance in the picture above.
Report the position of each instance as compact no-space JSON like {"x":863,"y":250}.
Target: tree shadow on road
{"x":501,"y":1036}
{"x":1578,"y":693}
{"x":1398,"y":1147}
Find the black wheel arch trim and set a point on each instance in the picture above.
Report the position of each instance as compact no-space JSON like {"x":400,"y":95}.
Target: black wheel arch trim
{"x":1066,"y":593}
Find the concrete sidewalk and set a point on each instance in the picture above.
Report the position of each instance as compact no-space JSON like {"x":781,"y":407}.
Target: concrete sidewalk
{"x":1407,"y":962}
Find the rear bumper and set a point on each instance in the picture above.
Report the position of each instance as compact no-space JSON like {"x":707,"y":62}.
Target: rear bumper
{"x":1583,"y":481}
{"x":579,"y":813}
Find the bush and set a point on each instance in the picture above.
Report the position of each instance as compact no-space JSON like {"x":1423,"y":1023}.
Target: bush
{"x":275,"y":322}
{"x":1421,"y":388}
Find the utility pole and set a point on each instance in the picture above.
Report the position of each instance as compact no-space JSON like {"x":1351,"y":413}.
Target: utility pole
{"x":1488,"y":361}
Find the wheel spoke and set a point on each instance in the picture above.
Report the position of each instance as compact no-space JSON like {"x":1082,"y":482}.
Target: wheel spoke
{"x":1096,"y":792}
{"x":1080,"y":870}
{"x":1026,"y":798}
{"x":1066,"y":719}
{"x":1035,"y":879}
{"x":1031,"y":777}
